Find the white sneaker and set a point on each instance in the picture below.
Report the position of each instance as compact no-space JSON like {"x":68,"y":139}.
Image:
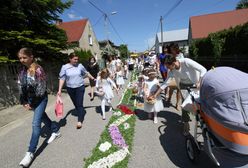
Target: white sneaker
{"x":54,"y":136}
{"x":155,"y":120}
{"x":27,"y":159}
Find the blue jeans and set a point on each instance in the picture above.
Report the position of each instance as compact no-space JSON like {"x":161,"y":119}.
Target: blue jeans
{"x":40,"y":116}
{"x":77,"y":97}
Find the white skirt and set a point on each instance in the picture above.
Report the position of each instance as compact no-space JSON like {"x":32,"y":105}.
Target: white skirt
{"x":120,"y":81}
{"x":156,"y":107}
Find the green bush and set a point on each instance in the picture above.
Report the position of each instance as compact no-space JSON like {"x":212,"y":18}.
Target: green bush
{"x":225,"y":48}
{"x":83,"y":55}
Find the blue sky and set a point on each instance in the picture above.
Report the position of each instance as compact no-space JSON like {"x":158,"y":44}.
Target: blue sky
{"x":137,"y":21}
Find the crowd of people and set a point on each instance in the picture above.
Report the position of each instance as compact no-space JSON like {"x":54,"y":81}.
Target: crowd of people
{"x":33,"y":94}
{"x":177,"y":73}
{"x":175,"y":70}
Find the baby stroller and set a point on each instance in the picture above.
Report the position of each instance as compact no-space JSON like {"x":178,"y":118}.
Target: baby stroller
{"x":221,"y":116}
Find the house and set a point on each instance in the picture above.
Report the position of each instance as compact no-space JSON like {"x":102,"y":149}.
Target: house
{"x":107,"y":47}
{"x":201,"y":26}
{"x":179,"y":36}
{"x":80,"y":35}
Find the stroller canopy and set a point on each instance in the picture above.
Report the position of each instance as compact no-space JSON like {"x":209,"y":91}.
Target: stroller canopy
{"x":224,"y":97}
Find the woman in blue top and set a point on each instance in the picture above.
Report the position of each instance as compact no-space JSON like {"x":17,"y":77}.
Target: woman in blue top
{"x":162,"y":67}
{"x":73,"y":73}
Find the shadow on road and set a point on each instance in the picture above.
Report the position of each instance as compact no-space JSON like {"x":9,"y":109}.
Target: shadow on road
{"x":39,"y":151}
{"x":173,"y":142}
{"x":63,"y":121}
{"x":141,"y":114}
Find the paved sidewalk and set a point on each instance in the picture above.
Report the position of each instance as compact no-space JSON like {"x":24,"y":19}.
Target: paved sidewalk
{"x":161,"y":145}
{"x":67,"y":151}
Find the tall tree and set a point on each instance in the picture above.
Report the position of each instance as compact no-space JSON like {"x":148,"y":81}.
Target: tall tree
{"x":31,"y":23}
{"x":242,"y":4}
{"x":123,"y":51}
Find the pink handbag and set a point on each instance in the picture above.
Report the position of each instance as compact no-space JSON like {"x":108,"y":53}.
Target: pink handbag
{"x":59,"y":108}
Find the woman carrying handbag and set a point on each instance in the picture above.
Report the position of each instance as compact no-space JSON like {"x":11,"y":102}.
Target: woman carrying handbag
{"x":33,"y":96}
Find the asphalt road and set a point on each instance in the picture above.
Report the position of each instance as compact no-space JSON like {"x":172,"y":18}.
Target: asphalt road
{"x":158,"y":145}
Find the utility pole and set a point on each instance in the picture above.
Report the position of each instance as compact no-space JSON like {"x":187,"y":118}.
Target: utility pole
{"x":106,"y":25}
{"x":161,"y":22}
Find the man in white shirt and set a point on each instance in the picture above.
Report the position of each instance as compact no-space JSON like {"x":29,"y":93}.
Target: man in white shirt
{"x":186,"y":72}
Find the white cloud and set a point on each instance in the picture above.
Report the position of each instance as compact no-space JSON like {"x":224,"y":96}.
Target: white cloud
{"x":74,"y":16}
{"x":71,"y":16}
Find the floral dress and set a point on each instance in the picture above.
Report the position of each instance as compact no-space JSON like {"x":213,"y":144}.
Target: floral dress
{"x":32,"y":85}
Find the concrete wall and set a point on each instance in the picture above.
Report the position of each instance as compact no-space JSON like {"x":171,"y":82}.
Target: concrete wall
{"x":9,"y":92}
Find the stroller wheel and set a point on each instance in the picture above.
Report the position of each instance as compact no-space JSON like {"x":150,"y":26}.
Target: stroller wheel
{"x":191,"y":149}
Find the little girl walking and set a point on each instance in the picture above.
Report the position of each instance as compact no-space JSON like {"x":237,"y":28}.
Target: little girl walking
{"x":150,"y":87}
{"x":104,"y":89}
{"x":125,"y":70}
{"x":119,"y":78}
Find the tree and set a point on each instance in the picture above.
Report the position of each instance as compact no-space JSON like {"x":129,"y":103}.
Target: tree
{"x":123,"y":50}
{"x":31,"y":23}
{"x":242,"y":4}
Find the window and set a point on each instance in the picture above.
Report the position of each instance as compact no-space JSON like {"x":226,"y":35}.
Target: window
{"x":90,"y":40}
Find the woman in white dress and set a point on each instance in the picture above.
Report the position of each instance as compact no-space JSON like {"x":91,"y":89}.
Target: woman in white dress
{"x":154,"y":105}
{"x":111,"y":65}
{"x":104,"y":86}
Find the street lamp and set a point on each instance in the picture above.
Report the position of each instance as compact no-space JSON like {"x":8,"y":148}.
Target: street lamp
{"x":105,"y":17}
{"x":106,"y":22}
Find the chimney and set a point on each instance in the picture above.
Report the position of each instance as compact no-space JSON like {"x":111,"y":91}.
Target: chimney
{"x":58,"y":22}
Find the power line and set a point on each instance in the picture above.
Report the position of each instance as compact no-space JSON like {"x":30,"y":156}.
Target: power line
{"x":115,"y":31}
{"x":165,"y":15}
{"x":97,"y":8}
{"x":106,"y":18}
{"x":98,"y":20}
{"x":171,"y":9}
{"x":158,"y":27}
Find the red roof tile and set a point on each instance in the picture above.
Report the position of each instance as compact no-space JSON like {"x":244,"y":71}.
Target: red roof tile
{"x":203,"y":25}
{"x":74,"y":29}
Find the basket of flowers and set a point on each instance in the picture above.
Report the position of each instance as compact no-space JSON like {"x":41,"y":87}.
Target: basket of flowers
{"x":151,"y":100}
{"x":135,"y":90}
{"x":99,"y":92}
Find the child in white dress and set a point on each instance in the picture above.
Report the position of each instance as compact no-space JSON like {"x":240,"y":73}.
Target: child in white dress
{"x":125,"y":70}
{"x":104,"y":86}
{"x":119,"y":78}
{"x":150,"y":87}
{"x":140,"y":85}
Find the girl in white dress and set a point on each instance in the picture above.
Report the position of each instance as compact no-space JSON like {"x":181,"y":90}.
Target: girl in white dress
{"x":111,"y":65}
{"x":150,"y":87}
{"x":119,"y":78}
{"x":104,"y":86}
{"x":125,"y":70}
